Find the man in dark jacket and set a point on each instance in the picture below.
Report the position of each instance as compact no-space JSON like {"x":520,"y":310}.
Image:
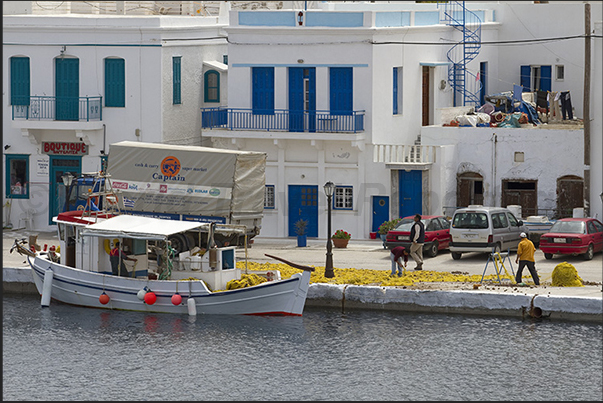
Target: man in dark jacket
{"x":417,"y":236}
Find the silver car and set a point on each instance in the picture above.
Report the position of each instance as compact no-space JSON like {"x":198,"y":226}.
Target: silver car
{"x":484,"y":229}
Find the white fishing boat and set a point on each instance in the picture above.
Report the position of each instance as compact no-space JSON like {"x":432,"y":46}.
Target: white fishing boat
{"x":160,"y":280}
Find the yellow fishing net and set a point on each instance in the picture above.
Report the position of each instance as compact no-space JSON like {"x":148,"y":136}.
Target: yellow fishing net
{"x":566,"y":275}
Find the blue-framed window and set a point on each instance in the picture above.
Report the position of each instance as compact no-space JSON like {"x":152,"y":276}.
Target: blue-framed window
{"x":17,"y":176}
{"x":263,"y":90}
{"x":397,"y":91}
{"x":343,"y":198}
{"x":177,"y":80}
{"x":341,"y":99}
{"x":19,"y":81}
{"x":269,"y":197}
{"x":115,"y":82}
{"x":212,"y":86}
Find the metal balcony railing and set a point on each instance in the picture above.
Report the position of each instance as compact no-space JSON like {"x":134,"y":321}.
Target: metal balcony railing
{"x":283,"y":120}
{"x":83,"y":109}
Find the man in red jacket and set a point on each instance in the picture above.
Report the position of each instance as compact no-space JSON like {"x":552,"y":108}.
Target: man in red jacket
{"x":398,"y":253}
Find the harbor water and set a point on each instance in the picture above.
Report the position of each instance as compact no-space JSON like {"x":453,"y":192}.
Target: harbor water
{"x":70,"y":353}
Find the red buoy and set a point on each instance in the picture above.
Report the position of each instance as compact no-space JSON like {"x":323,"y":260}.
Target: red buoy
{"x":150,"y":298}
{"x":104,"y":299}
{"x":176,"y":299}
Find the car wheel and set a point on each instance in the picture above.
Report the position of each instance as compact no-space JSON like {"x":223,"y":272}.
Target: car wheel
{"x":497,"y":248}
{"x":456,"y":255}
{"x":432,"y":250}
{"x":548,"y":256}
{"x":590,"y":253}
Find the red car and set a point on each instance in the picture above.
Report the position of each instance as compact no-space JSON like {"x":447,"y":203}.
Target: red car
{"x":437,"y":234}
{"x":573,"y":236}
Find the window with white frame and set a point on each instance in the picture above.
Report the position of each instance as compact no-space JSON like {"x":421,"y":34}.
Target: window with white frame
{"x":559,"y":72}
{"x":269,"y":197}
{"x":343,"y":198}
{"x":397,"y":91}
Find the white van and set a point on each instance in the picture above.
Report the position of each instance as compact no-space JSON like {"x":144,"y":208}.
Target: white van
{"x":484,"y":229}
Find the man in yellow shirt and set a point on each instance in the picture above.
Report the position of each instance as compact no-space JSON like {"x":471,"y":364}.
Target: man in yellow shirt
{"x":525,"y":257}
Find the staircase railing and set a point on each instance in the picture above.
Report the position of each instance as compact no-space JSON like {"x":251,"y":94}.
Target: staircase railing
{"x":464,"y":82}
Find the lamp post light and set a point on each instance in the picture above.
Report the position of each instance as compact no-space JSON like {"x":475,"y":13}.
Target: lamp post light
{"x":329,"y":188}
{"x":67,"y":181}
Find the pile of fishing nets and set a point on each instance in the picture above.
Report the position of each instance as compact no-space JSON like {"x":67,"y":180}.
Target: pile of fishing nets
{"x":247,"y":280}
{"x":566,"y":275}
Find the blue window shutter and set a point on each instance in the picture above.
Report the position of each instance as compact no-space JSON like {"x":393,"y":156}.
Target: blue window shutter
{"x":176,"y":67}
{"x":115,"y":82}
{"x":19,"y":81}
{"x":263,"y":90}
{"x":545,"y":78}
{"x":341,"y":90}
{"x":212,"y":86}
{"x":526,"y":74}
{"x":395,"y":90}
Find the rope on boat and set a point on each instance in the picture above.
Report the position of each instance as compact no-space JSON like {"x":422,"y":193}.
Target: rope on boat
{"x":166,"y":274}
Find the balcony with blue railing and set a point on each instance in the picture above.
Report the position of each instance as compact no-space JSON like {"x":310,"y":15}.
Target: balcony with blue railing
{"x":78,"y":109}
{"x":283,"y":120}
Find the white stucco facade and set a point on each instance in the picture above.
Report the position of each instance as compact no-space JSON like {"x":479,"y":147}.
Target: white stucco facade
{"x":372,"y":39}
{"x":147,"y":44}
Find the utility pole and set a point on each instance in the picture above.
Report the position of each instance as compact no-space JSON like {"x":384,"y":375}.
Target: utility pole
{"x":586,"y":109}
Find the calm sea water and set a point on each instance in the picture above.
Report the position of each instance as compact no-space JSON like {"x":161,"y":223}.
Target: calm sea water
{"x":70,"y":353}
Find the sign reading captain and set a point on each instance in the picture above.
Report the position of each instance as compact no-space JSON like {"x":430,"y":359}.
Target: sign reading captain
{"x":188,"y":180}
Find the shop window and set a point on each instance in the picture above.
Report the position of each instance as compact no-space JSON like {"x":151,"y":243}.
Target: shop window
{"x":17,"y":175}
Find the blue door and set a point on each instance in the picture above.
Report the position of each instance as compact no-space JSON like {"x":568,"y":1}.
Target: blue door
{"x":67,"y":88}
{"x":302,"y":99}
{"x":303,"y":204}
{"x":60,"y":165}
{"x":411,"y":192}
{"x":380,"y":211}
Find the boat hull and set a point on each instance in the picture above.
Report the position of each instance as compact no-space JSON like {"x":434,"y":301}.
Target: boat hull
{"x":83,"y":288}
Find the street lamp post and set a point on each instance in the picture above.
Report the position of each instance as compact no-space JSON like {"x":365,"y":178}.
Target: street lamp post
{"x":67,"y":181}
{"x":329,"y":188}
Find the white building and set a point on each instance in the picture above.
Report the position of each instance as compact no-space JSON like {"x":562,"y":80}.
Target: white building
{"x":348,"y":92}
{"x":78,"y":81}
{"x":386,"y":66}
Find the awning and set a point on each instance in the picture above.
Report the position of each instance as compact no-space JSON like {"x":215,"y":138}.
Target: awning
{"x":139,"y":227}
{"x":216,"y":65}
{"x":433,"y":64}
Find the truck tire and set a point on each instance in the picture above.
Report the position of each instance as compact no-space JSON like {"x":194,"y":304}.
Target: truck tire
{"x":179,"y":243}
{"x":456,"y":255}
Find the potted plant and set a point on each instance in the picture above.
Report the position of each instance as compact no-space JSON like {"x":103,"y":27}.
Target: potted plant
{"x":386,"y":227}
{"x":340,"y":238}
{"x":300,"y":231}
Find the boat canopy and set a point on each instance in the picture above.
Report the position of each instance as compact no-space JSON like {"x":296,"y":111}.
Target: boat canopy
{"x":139,"y":227}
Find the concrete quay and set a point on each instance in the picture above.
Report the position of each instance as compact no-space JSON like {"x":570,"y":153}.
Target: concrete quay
{"x":544,"y":301}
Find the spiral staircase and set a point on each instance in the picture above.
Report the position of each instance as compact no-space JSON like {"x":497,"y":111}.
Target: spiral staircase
{"x":466,"y":84}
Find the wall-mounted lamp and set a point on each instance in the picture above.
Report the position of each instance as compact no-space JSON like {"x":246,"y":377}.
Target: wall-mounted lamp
{"x":63,"y":50}
{"x":6,"y":147}
{"x":300,"y":18}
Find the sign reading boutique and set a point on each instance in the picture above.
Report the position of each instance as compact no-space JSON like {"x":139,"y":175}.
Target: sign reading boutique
{"x":60,"y":148}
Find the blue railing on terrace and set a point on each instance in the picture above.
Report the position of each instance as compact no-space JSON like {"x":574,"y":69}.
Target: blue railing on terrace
{"x":283,"y":120}
{"x":59,"y":108}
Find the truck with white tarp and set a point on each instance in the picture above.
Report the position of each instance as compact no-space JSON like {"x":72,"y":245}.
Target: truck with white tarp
{"x":189,"y":183}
